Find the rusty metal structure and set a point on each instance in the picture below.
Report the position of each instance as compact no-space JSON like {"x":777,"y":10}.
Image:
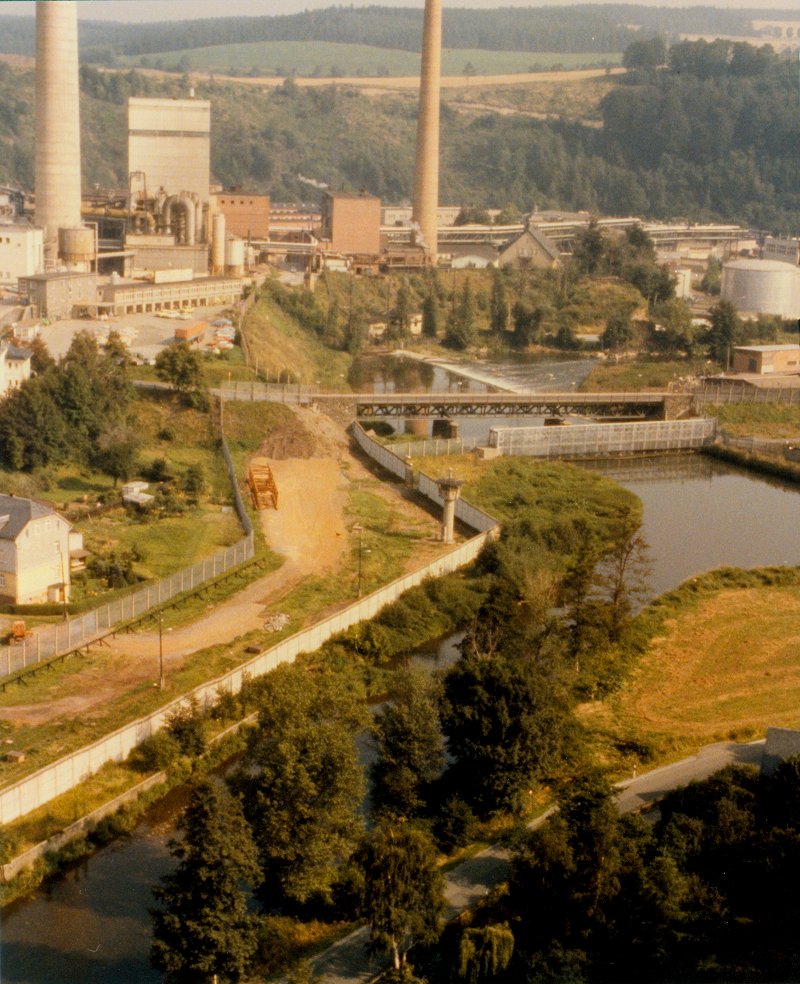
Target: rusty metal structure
{"x":261,"y":481}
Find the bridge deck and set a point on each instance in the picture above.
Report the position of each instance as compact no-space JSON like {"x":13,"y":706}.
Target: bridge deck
{"x":509,"y":404}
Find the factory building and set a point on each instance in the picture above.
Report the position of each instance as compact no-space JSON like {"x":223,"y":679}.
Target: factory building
{"x":783,"y":250}
{"x":246,"y":216}
{"x":766,"y":360}
{"x":169,"y":143}
{"x":762,"y":287}
{"x":351,"y":223}
{"x":57,"y":293}
{"x":21,"y":253}
{"x":139,"y":297}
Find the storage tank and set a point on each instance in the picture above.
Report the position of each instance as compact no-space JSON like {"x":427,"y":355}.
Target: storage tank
{"x":218,"y":243}
{"x":762,"y":287}
{"x":76,"y":247}
{"x":234,"y":257}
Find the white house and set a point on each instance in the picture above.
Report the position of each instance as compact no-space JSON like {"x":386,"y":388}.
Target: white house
{"x":21,"y":252}
{"x":35,"y":548}
{"x":15,"y":367}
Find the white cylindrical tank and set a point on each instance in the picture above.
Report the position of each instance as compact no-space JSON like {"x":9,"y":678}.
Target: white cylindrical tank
{"x":76,"y":247}
{"x":58,"y":143}
{"x":234,"y":257}
{"x":218,"y":243}
{"x":762,"y":287}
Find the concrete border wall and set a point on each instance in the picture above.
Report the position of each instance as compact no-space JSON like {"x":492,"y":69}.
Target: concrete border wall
{"x":600,"y":439}
{"x":59,"y":777}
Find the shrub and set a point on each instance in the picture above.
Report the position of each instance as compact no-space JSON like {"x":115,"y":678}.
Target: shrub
{"x":155,"y":753}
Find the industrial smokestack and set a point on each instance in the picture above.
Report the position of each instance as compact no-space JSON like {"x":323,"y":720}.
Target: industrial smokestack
{"x":426,"y":172}
{"x":58,"y":143}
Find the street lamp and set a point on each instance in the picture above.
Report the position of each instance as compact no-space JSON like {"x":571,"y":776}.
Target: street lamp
{"x":358,"y":529}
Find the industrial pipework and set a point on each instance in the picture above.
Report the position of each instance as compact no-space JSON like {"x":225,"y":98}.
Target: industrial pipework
{"x":58,"y":146}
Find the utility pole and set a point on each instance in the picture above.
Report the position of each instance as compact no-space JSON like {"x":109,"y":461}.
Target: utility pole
{"x":359,"y":530}
{"x":160,"y":651}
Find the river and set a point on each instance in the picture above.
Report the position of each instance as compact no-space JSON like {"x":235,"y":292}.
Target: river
{"x":90,"y":926}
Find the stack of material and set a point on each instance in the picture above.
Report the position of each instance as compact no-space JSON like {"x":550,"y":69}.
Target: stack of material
{"x":263,"y":489}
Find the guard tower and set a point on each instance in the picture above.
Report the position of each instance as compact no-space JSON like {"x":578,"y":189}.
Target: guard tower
{"x":449,"y":490}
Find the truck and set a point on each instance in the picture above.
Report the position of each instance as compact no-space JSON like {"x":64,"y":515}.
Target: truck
{"x":191,"y":333}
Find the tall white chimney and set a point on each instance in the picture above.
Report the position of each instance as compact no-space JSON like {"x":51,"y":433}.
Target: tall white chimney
{"x":426,"y":173}
{"x":58,"y":143}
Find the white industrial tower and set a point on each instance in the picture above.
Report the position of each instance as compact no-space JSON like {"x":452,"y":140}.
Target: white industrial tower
{"x":426,"y":173}
{"x":58,"y":146}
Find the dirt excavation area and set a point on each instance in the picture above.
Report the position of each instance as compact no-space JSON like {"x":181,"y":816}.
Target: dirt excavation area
{"x":314,"y":472}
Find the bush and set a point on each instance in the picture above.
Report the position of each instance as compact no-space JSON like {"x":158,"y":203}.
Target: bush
{"x":155,"y":753}
{"x":186,"y":727}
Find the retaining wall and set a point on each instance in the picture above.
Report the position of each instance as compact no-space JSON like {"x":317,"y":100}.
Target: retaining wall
{"x":52,"y":780}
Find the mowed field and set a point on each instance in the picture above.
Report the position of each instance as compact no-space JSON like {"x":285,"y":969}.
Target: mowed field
{"x":323,"y":58}
{"x":726,"y":669}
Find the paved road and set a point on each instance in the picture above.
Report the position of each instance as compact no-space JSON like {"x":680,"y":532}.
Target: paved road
{"x":346,"y":962}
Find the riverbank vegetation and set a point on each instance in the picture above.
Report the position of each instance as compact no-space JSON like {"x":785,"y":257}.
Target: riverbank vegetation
{"x":701,"y":893}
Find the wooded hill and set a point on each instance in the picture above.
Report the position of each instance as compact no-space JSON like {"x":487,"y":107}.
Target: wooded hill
{"x":656,"y":155}
{"x":584,"y":28}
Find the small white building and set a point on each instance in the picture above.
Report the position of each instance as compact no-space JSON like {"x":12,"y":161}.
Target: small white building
{"x":15,"y":367}
{"x":21,"y":253}
{"x":36,"y":545}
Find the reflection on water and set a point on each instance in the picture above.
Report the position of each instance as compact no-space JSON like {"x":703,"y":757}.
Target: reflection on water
{"x":537,"y":374}
{"x":700,"y":514}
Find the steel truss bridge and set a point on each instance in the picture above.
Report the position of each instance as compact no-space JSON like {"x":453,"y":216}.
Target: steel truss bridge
{"x":647,"y":406}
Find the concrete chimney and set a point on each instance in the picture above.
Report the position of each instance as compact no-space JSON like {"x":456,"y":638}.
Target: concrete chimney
{"x":58,"y":141}
{"x":426,"y":171}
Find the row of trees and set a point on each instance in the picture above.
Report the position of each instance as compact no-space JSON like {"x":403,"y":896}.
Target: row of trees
{"x":704,"y":893}
{"x":75,"y":410}
{"x":81,"y":408}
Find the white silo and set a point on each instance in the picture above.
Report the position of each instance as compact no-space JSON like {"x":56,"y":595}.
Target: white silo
{"x":762,"y":287}
{"x":234,"y":258}
{"x":218,"y":243}
{"x":58,"y":141}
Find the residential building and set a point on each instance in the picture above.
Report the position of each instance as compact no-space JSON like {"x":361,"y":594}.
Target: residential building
{"x":35,"y":548}
{"x":21,"y":252}
{"x":15,"y":367}
{"x":531,"y":250}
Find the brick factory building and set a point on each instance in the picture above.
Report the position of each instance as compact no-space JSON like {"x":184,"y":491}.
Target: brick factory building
{"x":246,"y":216}
{"x":351,"y":223}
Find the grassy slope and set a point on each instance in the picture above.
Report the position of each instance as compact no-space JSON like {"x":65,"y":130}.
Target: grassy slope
{"x":330,"y":58}
{"x":724,"y":667}
{"x":278,"y":344}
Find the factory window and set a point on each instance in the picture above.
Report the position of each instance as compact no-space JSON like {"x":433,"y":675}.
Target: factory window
{"x":2,"y":580}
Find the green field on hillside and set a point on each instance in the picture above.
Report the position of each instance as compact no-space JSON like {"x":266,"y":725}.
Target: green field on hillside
{"x":325,"y":58}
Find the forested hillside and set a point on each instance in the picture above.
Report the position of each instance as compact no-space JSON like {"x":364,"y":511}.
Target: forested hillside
{"x":585,"y":28}
{"x":713,"y":137}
